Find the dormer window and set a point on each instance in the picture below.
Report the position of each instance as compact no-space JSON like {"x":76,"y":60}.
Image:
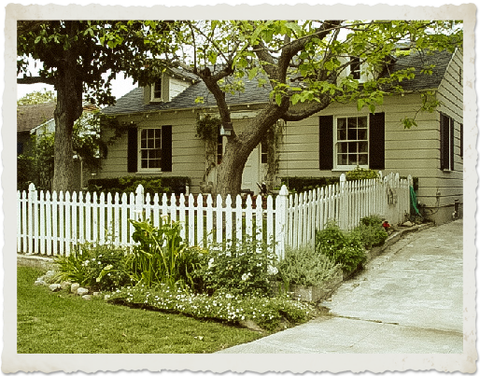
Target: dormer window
{"x":355,"y":67}
{"x":157,"y":91}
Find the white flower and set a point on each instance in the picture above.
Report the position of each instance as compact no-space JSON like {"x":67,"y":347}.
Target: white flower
{"x":246,"y":276}
{"x":210,"y":263}
{"x":272,"y":270}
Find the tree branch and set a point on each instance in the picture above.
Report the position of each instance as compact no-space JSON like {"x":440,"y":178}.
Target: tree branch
{"x":36,"y":80}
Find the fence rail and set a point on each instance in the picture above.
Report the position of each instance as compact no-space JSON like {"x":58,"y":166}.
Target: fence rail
{"x":51,"y":223}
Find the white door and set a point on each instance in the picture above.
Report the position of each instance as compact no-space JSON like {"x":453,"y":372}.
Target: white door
{"x":251,"y":173}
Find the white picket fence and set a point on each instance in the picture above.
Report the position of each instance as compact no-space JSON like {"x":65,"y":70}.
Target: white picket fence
{"x":51,"y":223}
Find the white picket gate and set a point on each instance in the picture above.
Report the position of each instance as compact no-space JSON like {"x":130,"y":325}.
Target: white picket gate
{"x":51,"y":223}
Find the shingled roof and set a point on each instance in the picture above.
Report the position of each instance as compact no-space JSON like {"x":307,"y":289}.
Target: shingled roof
{"x":423,"y":81}
{"x":32,"y":115}
{"x":133,"y":102}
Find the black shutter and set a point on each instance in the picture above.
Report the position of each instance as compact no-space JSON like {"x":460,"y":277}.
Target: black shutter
{"x":326,"y":142}
{"x":132,"y":150}
{"x":167,"y":148}
{"x":452,"y":145}
{"x":377,"y":141}
{"x":444,"y":142}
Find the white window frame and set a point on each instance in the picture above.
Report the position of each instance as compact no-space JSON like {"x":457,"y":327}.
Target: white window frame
{"x":336,"y":142}
{"x":140,"y":158}
{"x":153,"y":90}
{"x":355,"y":62}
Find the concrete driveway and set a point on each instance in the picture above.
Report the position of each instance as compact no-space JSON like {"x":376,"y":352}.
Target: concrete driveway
{"x":409,"y":300}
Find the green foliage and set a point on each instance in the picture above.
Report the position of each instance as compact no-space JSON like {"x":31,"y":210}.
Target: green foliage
{"x":361,"y":173}
{"x":128,"y":184}
{"x":37,"y":97}
{"x":162,"y":256}
{"x":301,"y":184}
{"x":239,"y":268}
{"x":207,"y":127}
{"x":370,"y":231}
{"x":267,"y":313}
{"x":306,"y":266}
{"x":100,"y":267}
{"x":36,"y":165}
{"x":341,"y":247}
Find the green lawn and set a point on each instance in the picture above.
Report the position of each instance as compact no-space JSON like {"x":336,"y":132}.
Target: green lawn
{"x":62,"y":323}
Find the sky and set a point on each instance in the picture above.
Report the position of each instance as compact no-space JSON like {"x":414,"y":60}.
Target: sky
{"x":120,"y":87}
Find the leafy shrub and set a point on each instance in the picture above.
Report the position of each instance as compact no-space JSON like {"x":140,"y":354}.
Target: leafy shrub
{"x":96,"y":266}
{"x":306,"y":267}
{"x":371,"y":232}
{"x":128,"y":184}
{"x":241,"y":268}
{"x":267,"y":313}
{"x":301,"y":184}
{"x":161,"y":255}
{"x":361,"y":173}
{"x":341,"y":247}
{"x":372,"y":220}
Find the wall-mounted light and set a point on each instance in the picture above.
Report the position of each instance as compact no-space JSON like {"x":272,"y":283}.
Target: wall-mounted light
{"x":226,"y":129}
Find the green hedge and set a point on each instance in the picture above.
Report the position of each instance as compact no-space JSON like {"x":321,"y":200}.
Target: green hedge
{"x":152,"y":185}
{"x":302,"y":184}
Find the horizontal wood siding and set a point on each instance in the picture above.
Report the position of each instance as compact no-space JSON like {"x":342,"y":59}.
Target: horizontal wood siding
{"x":450,"y":94}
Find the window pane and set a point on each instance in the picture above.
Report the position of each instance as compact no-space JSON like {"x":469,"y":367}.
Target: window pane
{"x":363,"y":159}
{"x":352,"y":123}
{"x":352,"y":134}
{"x":362,"y":134}
{"x":362,"y":122}
{"x":363,"y":147}
{"x":352,"y":147}
{"x":342,"y":147}
{"x":341,"y":123}
{"x":342,"y":159}
{"x":352,"y":159}
{"x":154,"y":164}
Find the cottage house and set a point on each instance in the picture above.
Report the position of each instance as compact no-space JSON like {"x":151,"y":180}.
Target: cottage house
{"x":156,"y":132}
{"x":30,"y":117}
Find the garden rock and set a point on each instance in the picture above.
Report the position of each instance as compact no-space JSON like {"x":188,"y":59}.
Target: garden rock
{"x":74,"y":288}
{"x":408,"y":224}
{"x":82,"y":291}
{"x":55,"y":287}
{"x":87,"y":297}
{"x":40,"y":282}
{"x":50,"y":274}
{"x":249,"y":324}
{"x":96,"y":293}
{"x":66,"y":285}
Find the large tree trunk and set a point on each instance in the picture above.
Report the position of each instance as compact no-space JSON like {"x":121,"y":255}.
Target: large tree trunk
{"x":68,"y":110}
{"x":239,"y":147}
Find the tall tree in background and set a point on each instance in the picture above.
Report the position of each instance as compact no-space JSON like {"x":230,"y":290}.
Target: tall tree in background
{"x":302,"y":63}
{"x":79,"y":58}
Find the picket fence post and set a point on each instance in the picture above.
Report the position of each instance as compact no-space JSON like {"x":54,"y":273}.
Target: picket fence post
{"x":281,"y":221}
{"x":139,"y":201}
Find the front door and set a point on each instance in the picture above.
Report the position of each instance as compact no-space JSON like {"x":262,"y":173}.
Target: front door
{"x":251,"y":173}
